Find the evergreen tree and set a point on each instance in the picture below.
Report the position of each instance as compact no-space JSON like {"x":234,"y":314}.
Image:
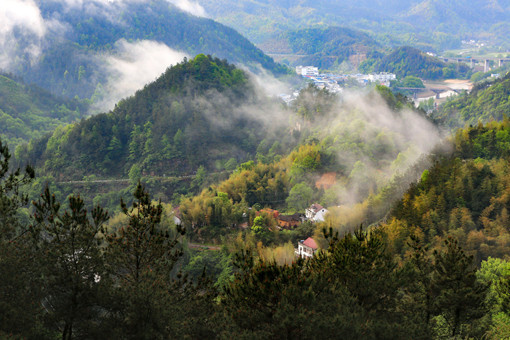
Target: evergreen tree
{"x":419,"y":296}
{"x":458,"y":296}
{"x":11,"y":197}
{"x":20,"y":312}
{"x":72,"y":266}
{"x":140,"y":257}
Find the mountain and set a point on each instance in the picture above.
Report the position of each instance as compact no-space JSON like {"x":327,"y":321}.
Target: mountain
{"x":29,"y":112}
{"x":323,"y":47}
{"x":81,"y":46}
{"x":197,"y":113}
{"x":425,"y":23}
{"x":486,"y":102}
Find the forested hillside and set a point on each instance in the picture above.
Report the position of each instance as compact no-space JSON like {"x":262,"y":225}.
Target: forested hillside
{"x":29,"y":112}
{"x":196,"y":113}
{"x":69,"y":275}
{"x":486,"y":102}
{"x":408,"y":61}
{"x":208,"y":206}
{"x":465,"y":196}
{"x":204,"y":117}
{"x":325,"y":48}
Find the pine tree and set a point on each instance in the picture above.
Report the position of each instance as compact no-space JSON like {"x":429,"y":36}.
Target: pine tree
{"x":11,"y":197}
{"x":419,"y":295}
{"x":140,"y":257}
{"x":71,"y":262}
{"x":19,"y":285}
{"x":458,"y":296}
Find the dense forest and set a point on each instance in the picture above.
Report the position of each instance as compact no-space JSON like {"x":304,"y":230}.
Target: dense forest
{"x":76,"y":273}
{"x":170,"y":132}
{"x":464,"y":195}
{"x":432,"y":265}
{"x":190,"y":116}
{"x":208,"y":206}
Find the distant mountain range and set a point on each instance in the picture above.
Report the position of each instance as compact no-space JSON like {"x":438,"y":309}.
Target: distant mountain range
{"x":76,"y":48}
{"x":432,"y":23}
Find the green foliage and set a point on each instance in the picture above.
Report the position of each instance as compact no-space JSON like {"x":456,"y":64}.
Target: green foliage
{"x":118,"y":282}
{"x":29,"y":112}
{"x":11,"y":197}
{"x":409,"y":81}
{"x":354,"y":289}
{"x":260,"y":229}
{"x":485,"y":103}
{"x":319,"y":44}
{"x":408,"y":61}
{"x":140,"y":257}
{"x":215,"y":264}
{"x":160,"y":139}
{"x":300,"y":197}
{"x":19,"y":280}
{"x":462,"y":195}
{"x":68,"y":65}
{"x":458,"y":297}
{"x":70,"y":261}
{"x":313,"y":103}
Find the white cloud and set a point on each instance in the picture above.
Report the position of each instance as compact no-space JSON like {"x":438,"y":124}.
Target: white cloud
{"x":23,"y":14}
{"x":133,"y":66}
{"x":21,"y":29}
{"x":189,"y":6}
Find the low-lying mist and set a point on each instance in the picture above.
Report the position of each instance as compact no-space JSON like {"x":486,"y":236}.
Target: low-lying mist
{"x":132,"y":66}
{"x":371,"y":137}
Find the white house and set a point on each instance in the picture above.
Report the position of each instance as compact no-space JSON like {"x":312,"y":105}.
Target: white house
{"x":306,"y":248}
{"x":307,"y":71}
{"x":381,"y":77}
{"x":316,"y":213}
{"x":321,"y":215}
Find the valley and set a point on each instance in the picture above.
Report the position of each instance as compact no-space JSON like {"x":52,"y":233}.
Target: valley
{"x":216,"y":169}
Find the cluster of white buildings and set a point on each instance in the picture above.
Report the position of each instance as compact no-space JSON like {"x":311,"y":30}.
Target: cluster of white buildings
{"x":333,"y":82}
{"x":307,"y":71}
{"x":474,"y":43}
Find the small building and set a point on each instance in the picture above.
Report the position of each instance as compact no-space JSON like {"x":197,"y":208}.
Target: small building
{"x":271,"y":212}
{"x":307,"y":71}
{"x":289,"y":221}
{"x":326,"y":181}
{"x":307,"y":248}
{"x":312,"y":210}
{"x":382,"y":77}
{"x":316,"y":213}
{"x":320,"y":216}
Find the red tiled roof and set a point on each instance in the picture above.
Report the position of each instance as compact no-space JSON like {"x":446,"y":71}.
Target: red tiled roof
{"x":310,"y":242}
{"x":317,"y":207}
